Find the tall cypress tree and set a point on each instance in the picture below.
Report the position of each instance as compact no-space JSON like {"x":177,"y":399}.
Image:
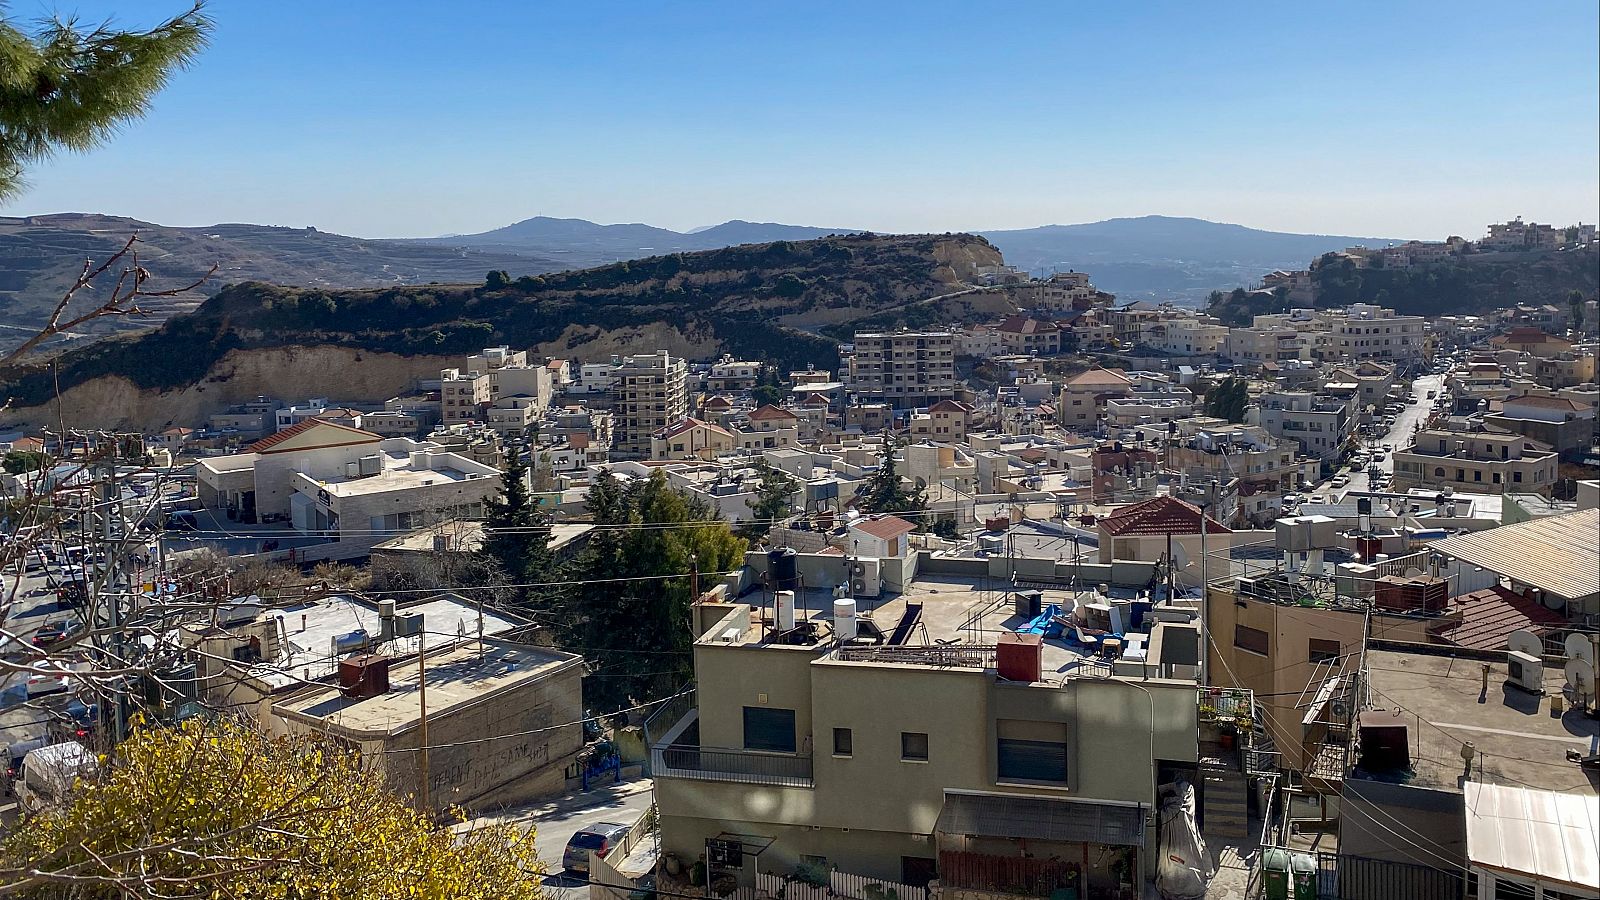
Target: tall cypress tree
{"x":516,"y":533}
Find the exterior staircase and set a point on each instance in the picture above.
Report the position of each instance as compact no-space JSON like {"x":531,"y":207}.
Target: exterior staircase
{"x":1224,"y":803}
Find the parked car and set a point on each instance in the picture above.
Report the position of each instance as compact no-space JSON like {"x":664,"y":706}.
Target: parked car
{"x":1340,"y":481}
{"x":1388,"y":448}
{"x":601,"y":839}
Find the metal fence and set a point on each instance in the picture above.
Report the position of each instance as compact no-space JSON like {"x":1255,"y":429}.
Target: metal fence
{"x":1345,"y":877}
{"x":840,"y":886}
{"x":723,"y":764}
{"x":1026,"y":875}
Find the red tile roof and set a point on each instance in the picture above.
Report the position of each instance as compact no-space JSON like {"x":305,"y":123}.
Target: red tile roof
{"x":815,"y":400}
{"x":950,"y":406}
{"x":769,"y":411}
{"x":886,"y":528}
{"x":266,"y":444}
{"x":1160,"y":515}
{"x":1490,"y":615}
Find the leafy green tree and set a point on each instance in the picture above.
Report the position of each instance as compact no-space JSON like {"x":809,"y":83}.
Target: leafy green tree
{"x":516,"y":533}
{"x":1229,"y":399}
{"x":945,"y":527}
{"x":17,"y":462}
{"x":1575,"y":304}
{"x":64,"y":87}
{"x":631,"y":614}
{"x":883,"y":492}
{"x":497,"y":280}
{"x":215,"y":808}
{"x":772,"y":499}
{"x":767,"y":389}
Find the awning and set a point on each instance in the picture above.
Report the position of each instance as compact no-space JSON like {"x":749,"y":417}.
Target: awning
{"x":1041,"y":819}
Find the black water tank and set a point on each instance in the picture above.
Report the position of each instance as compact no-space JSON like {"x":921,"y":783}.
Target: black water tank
{"x":784,"y":566}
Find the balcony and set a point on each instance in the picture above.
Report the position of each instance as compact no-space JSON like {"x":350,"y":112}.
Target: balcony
{"x":731,"y":765}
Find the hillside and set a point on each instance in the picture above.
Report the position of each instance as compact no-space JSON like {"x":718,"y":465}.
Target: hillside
{"x":1469,"y":285}
{"x":1165,"y":257}
{"x":764,"y":301}
{"x":40,"y":256}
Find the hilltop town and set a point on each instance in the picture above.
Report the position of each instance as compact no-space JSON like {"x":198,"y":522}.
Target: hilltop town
{"x":1027,"y":576}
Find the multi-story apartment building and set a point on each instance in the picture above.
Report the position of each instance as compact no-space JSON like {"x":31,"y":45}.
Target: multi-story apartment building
{"x":1084,"y":396}
{"x":1372,"y":380}
{"x":1193,"y":336}
{"x":729,"y":374}
{"x":1205,"y":448}
{"x":1027,"y":335}
{"x":1519,"y":235}
{"x":1060,"y":292}
{"x":815,"y":742}
{"x":1260,"y":344}
{"x":979,"y":341}
{"x":463,"y":395}
{"x":1564,"y":423}
{"x":1479,"y":461}
{"x":1320,"y":425}
{"x":649,"y":394}
{"x":903,"y":368}
{"x":1363,"y":331}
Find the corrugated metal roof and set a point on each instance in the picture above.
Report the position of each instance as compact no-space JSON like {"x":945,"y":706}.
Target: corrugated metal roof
{"x":1557,"y":554}
{"x":1041,"y":819}
{"x":1542,"y":834}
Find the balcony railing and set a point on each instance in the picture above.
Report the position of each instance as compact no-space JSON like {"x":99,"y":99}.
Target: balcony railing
{"x":737,"y":766}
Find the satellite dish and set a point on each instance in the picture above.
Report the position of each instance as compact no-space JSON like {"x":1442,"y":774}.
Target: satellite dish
{"x":1580,"y":674}
{"x":1524,"y":641}
{"x":1578,"y":647}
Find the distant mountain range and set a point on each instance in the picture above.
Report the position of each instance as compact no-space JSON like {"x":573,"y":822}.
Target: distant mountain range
{"x":1163,"y":257}
{"x":1147,"y":257}
{"x":583,"y":243}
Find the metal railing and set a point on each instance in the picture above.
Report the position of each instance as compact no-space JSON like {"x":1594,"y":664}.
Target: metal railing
{"x":941,"y":655}
{"x":726,"y":764}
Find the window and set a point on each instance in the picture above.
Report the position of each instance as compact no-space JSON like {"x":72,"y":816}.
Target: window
{"x":1018,"y":759}
{"x":1252,"y":639}
{"x":914,"y":746}
{"x":1516,"y":477}
{"x":1323,"y":651}
{"x":769,"y":729}
{"x":843,"y":742}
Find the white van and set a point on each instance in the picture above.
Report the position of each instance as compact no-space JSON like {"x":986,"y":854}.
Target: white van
{"x":48,"y":773}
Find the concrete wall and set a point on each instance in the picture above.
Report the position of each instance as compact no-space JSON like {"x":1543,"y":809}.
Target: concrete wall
{"x":1430,"y":821}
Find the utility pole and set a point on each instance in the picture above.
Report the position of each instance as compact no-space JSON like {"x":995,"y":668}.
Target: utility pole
{"x":423,"y":805}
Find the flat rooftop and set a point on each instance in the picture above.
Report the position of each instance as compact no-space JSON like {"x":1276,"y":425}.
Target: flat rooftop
{"x":309,"y":652}
{"x":467,"y":537}
{"x":463,"y":674}
{"x":956,"y":612}
{"x":1517,"y":738}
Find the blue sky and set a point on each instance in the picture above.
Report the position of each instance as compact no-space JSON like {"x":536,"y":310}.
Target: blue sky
{"x":415,"y":117}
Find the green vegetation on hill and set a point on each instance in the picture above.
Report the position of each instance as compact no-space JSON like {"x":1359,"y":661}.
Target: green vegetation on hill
{"x":1465,"y":286}
{"x":731,"y":296}
{"x":1468,"y":285}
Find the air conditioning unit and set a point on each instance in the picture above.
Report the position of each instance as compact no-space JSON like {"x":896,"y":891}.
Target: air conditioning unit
{"x":1526,"y":671}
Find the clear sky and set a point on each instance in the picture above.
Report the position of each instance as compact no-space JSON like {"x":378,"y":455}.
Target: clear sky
{"x":419,"y":117}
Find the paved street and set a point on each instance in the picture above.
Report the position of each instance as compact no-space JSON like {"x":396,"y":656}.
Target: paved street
{"x":1398,"y":436}
{"x":559,"y":818}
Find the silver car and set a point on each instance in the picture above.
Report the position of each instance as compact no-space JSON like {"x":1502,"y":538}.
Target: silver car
{"x":601,"y":838}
